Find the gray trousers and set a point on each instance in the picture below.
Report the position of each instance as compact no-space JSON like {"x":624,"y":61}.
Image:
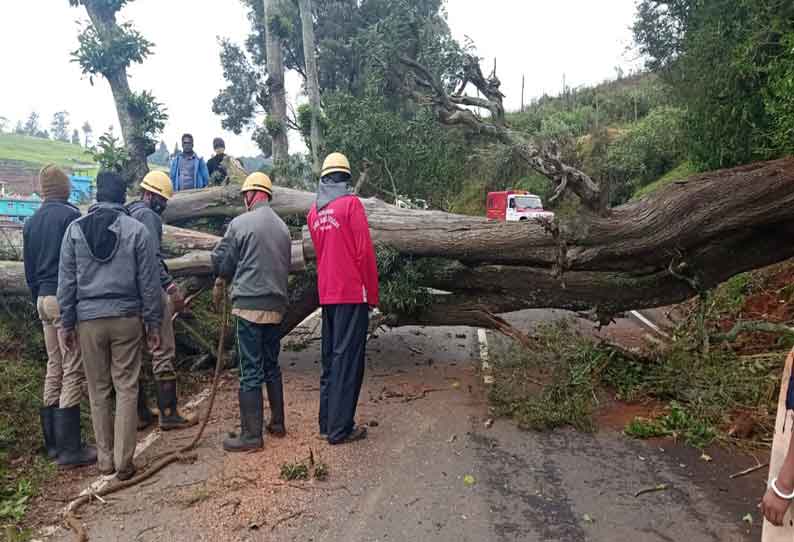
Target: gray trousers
{"x":112,"y":359}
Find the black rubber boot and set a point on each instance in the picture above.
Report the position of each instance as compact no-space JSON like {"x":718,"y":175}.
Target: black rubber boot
{"x":250,"y":438}
{"x":166,"y":402}
{"x":71,"y":452}
{"x":145,"y":416}
{"x":48,"y":430}
{"x":275,"y":397}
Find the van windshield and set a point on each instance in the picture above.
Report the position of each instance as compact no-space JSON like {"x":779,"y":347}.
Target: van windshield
{"x":528,"y":202}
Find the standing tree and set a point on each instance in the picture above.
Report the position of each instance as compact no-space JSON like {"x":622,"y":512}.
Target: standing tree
{"x":108,"y":48}
{"x":87,"y":131}
{"x":3,"y":124}
{"x":276,"y":26}
{"x":60,"y":126}
{"x":312,"y":81}
{"x":32,"y":127}
{"x":75,"y":137}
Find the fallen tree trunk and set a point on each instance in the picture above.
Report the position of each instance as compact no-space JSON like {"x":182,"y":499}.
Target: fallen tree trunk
{"x":663,"y":249}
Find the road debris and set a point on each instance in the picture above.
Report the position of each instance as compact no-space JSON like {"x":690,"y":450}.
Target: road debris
{"x":751,"y":470}
{"x":659,"y":487}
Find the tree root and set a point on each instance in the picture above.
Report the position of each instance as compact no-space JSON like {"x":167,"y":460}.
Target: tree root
{"x":750,"y":326}
{"x":182,"y":455}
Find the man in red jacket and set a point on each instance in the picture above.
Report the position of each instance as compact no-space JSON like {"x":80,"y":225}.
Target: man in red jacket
{"x":347,"y":277}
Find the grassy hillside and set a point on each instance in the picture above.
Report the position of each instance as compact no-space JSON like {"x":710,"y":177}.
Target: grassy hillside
{"x":37,"y":152}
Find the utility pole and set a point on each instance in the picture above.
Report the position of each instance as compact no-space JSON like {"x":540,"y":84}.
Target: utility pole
{"x":596,"y":104}
{"x":564,"y":92}
{"x":522,"y":92}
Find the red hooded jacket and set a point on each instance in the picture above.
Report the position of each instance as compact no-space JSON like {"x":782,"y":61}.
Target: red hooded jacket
{"x":347,"y":272}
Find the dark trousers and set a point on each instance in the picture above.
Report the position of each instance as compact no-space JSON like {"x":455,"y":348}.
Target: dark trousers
{"x":343,"y":353}
{"x":258,"y":346}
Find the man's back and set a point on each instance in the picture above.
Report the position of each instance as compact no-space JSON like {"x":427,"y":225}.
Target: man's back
{"x":263,"y":251}
{"x":42,"y":235}
{"x":114,"y":265}
{"x":346,"y":267}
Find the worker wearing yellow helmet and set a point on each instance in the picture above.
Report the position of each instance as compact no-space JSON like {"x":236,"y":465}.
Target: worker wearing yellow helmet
{"x":254,"y":257}
{"x":347,"y":281}
{"x":156,"y":191}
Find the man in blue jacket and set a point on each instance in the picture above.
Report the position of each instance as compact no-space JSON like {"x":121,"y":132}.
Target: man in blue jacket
{"x":189,"y":170}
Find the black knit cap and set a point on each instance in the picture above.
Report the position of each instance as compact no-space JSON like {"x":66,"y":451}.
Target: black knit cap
{"x":110,"y":188}
{"x":218,"y":143}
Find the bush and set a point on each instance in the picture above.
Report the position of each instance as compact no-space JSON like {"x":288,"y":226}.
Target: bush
{"x":645,"y":151}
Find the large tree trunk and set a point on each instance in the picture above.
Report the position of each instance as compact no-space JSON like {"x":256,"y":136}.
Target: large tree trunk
{"x":312,"y":83}
{"x":663,"y":249}
{"x":277,"y":117}
{"x":104,"y":19}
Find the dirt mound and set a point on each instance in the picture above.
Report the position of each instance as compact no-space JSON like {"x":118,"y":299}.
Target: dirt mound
{"x":769,"y":298}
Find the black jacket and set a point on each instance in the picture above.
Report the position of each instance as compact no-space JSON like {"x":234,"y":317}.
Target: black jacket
{"x":141,"y":212}
{"x":42,"y":236}
{"x":216,"y":164}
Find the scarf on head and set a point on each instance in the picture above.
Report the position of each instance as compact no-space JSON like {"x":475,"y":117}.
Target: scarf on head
{"x":332,"y":187}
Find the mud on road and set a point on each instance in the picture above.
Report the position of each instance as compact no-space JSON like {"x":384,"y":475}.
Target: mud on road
{"x":433,"y":468}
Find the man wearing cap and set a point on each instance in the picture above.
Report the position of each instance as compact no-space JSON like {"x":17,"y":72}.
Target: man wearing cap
{"x":188,"y":170}
{"x":254,"y":256}
{"x":109,"y":291}
{"x":156,"y":190}
{"x":347,"y":280}
{"x":222,"y":168}
{"x":63,"y":384}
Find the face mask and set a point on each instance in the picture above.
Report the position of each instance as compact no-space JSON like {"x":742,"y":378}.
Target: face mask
{"x":158,"y":206}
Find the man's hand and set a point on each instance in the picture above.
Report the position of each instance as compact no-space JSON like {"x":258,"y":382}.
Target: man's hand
{"x":68,"y":339}
{"x":774,"y":508}
{"x":218,"y":291}
{"x":152,"y":338}
{"x":177,"y":297}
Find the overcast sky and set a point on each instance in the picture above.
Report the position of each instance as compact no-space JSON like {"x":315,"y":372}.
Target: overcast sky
{"x":546,"y":40}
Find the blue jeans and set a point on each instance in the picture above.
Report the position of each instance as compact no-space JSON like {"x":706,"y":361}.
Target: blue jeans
{"x":258,"y":346}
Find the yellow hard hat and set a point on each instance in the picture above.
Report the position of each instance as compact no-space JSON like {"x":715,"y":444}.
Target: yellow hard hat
{"x":158,"y":183}
{"x":259,"y":182}
{"x":336,"y":161}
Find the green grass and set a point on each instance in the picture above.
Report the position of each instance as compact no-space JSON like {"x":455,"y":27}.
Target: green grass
{"x":678,"y":423}
{"x":559,"y":383}
{"x":38,"y":152}
{"x":569,"y":364}
{"x":682,"y":171}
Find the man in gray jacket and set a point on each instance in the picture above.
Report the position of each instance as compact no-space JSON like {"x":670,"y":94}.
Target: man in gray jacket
{"x":108,"y":282}
{"x":254,"y":256}
{"x":156,"y":190}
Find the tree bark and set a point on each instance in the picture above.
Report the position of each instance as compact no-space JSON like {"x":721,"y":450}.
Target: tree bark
{"x":275,"y":81}
{"x":104,"y":19}
{"x":312,"y":82}
{"x":663,"y":249}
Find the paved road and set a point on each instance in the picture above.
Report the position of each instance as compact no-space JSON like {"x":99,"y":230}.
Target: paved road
{"x":427,"y":409}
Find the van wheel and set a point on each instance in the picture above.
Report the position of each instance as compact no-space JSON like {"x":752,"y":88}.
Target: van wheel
{"x":522,"y":219}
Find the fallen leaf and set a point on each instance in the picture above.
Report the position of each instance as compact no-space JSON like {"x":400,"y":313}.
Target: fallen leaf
{"x":469,"y":480}
{"x":588,"y":518}
{"x":488,"y":423}
{"x":453,"y":438}
{"x":706,"y":457}
{"x":748,"y":519}
{"x":455,"y":385}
